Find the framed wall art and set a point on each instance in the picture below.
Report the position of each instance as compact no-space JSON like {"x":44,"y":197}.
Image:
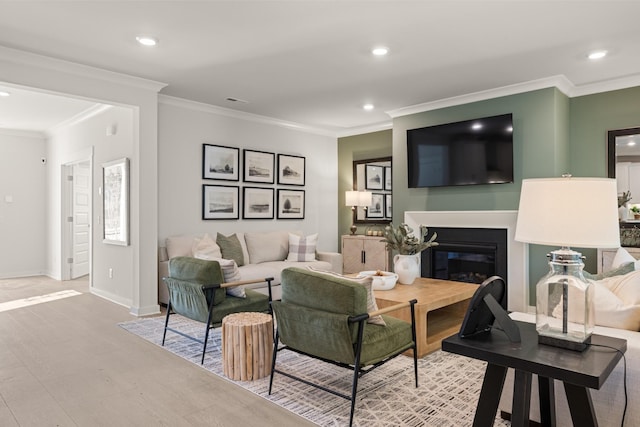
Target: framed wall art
{"x":290,"y":204}
{"x":257,"y":203}
{"x":220,"y":202}
{"x":115,"y":197}
{"x":291,"y":169}
{"x":259,"y":166}
{"x":374,"y":177}
{"x":376,"y":209}
{"x":387,"y":206}
{"x":220,"y":162}
{"x":387,"y":178}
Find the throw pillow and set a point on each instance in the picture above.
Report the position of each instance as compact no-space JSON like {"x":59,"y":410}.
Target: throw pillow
{"x":367,"y":283}
{"x":230,"y":272}
{"x":302,"y":248}
{"x":230,"y":248}
{"x":624,"y":269}
{"x":205,"y":247}
{"x":270,"y":246}
{"x":622,"y":257}
{"x":626,"y":287}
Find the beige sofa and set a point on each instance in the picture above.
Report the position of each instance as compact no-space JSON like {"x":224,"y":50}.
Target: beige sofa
{"x":264,"y":256}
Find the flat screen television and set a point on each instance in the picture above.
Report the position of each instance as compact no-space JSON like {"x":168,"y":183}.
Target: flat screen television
{"x":470,"y":152}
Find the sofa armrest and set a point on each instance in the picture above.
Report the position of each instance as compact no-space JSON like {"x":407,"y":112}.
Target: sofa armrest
{"x":163,"y":291}
{"x":333,"y":258}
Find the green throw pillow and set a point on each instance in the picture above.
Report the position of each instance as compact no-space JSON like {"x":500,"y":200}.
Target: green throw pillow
{"x":623,"y":269}
{"x":230,"y":248}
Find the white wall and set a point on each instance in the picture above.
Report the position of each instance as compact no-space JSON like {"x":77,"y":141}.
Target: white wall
{"x":185,"y":126}
{"x":22,"y":204}
{"x":79,"y":141}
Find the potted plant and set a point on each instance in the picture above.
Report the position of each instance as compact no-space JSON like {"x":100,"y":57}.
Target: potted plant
{"x":408,"y":246}
{"x":636,"y":212}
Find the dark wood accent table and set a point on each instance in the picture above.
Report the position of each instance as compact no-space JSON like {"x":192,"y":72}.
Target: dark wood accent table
{"x":579,"y":371}
{"x":439,"y":311}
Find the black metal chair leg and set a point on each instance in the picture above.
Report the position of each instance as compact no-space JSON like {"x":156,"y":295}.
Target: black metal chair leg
{"x":273,"y":359}
{"x":166,"y":322}
{"x":208,"y":328}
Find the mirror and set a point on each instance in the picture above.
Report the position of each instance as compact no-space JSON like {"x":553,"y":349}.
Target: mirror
{"x":374,"y":175}
{"x":623,"y":164}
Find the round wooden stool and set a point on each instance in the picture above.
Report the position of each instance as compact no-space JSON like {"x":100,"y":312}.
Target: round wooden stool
{"x":247,"y":345}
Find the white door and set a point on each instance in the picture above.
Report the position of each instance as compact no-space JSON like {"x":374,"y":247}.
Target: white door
{"x":81,"y":223}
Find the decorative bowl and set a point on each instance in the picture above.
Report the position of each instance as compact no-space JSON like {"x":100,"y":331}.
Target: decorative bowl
{"x":381,"y":280}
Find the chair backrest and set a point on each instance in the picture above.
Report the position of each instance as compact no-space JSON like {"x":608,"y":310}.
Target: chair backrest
{"x":313,"y":313}
{"x":186,"y":277}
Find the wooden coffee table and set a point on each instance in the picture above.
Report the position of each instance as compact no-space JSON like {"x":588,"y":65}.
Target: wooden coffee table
{"x":439,"y":312}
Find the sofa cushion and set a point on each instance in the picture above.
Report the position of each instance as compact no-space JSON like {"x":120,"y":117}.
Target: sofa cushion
{"x":368,"y":285}
{"x":270,"y":246}
{"x":206,"y":248}
{"x":179,"y":246}
{"x":622,"y":257}
{"x":231,"y":248}
{"x":302,"y":248}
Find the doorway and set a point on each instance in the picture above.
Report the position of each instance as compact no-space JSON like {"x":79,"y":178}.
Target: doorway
{"x":76,"y":217}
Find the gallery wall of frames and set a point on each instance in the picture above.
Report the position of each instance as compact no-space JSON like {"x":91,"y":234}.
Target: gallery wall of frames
{"x":271,"y":184}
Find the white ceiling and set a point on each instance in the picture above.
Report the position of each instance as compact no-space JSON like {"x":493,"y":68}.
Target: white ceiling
{"x":309,"y":62}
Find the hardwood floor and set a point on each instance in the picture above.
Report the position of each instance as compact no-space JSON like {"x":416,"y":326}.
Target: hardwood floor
{"x":67,"y":363}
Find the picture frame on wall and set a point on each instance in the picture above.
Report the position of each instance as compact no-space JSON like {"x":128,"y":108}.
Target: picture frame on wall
{"x":220,"y":201}
{"x":291,"y":169}
{"x":388,"y":208}
{"x":290,"y":204}
{"x":387,"y":178}
{"x":115,"y":198}
{"x":257,"y":203}
{"x":374,"y":177}
{"x":220,"y":162}
{"x":376,"y":209}
{"x":259,"y":166}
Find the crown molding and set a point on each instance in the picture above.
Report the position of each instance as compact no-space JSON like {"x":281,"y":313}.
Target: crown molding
{"x":94,"y":110}
{"x":606,"y":86}
{"x":376,"y":127}
{"x":241,"y":115}
{"x":22,"y":133}
{"x":54,"y":64}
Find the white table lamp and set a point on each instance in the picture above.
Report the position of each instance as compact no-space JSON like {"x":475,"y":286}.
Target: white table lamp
{"x":355,"y":199}
{"x":567,"y":211}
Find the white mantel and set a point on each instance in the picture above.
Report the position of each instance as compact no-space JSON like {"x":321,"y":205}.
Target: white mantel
{"x":517,"y":252}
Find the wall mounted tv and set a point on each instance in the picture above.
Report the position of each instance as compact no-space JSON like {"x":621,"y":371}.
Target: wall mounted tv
{"x":471,"y":152}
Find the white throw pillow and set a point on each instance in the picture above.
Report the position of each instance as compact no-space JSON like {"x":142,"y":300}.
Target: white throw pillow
{"x":622,"y":257}
{"x":231,"y":273}
{"x":302,"y":248}
{"x":626,"y":287}
{"x":367,"y":283}
{"x":206,"y":247}
{"x":270,"y":246}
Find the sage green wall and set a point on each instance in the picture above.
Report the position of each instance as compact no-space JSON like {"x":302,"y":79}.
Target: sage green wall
{"x":358,"y":147}
{"x":541,"y":149}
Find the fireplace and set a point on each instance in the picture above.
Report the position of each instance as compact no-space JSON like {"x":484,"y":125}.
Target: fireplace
{"x":466,"y":255}
{"x":513,"y":267}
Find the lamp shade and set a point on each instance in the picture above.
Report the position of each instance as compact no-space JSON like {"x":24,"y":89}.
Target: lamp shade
{"x":364,"y":198}
{"x":568,"y":211}
{"x":351,"y":198}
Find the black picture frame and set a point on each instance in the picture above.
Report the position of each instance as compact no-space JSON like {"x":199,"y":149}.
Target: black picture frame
{"x":220,"y":162}
{"x":376,"y":209}
{"x":374,"y":177}
{"x":291,"y":204}
{"x":387,"y":178}
{"x":388,"y":209}
{"x":291,"y":170}
{"x":258,"y":166}
{"x":257,"y":203}
{"x":220,"y":202}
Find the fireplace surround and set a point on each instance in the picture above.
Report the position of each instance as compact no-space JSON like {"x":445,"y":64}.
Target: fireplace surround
{"x":516,"y":274}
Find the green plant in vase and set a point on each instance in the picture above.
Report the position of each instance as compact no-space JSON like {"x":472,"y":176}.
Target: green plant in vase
{"x":402,"y":240}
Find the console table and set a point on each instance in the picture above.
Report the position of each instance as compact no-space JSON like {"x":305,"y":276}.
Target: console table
{"x":579,"y":371}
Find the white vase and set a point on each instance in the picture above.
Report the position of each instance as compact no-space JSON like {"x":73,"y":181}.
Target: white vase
{"x":406,"y":267}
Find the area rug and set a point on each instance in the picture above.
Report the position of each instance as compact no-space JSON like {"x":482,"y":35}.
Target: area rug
{"x":447,"y":395}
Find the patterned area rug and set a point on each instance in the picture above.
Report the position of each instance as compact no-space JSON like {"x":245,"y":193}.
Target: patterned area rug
{"x":447,"y":395}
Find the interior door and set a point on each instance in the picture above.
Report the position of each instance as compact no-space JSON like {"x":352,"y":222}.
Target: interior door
{"x":81,"y":219}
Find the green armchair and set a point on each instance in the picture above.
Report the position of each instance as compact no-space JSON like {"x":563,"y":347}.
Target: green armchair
{"x":324,"y":316}
{"x":197,"y":291}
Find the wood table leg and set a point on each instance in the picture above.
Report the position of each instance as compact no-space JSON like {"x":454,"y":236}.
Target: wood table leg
{"x":489,"y":398}
{"x":580,"y":406}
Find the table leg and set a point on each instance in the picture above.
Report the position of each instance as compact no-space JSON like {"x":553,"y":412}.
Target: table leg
{"x":521,"y":398}
{"x":580,"y":406}
{"x":547,"y":395}
{"x":490,"y":396}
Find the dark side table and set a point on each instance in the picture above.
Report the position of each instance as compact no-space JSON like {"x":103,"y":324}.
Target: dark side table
{"x":579,"y":371}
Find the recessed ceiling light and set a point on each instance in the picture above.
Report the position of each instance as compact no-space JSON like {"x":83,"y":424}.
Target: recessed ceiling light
{"x":597,"y":54}
{"x":368,"y":107}
{"x":380,"y":51}
{"x":147,"y":40}
{"x":4,"y":93}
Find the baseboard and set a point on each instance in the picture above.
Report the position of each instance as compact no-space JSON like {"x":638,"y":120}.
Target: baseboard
{"x":507,"y":416}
